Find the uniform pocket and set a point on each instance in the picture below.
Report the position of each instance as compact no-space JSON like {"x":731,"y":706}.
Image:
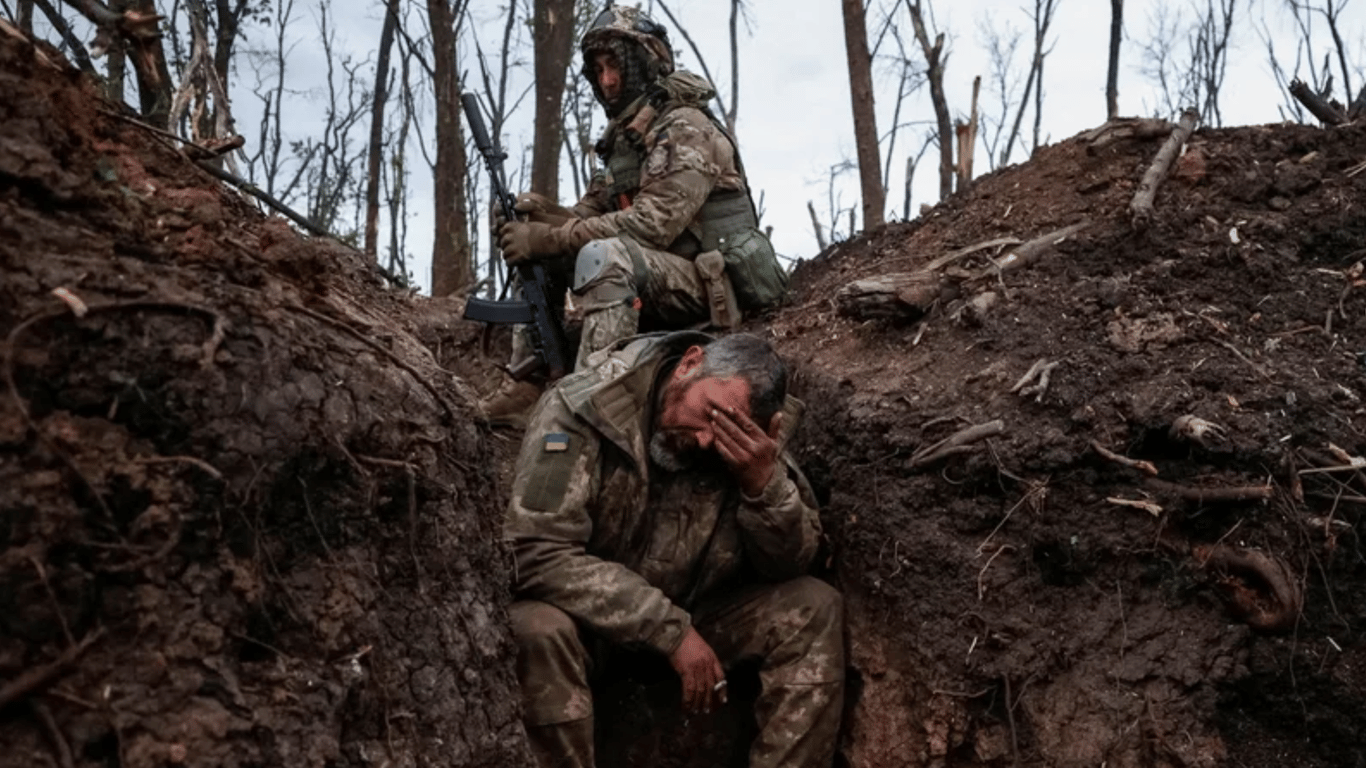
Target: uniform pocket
{"x":758,"y":278}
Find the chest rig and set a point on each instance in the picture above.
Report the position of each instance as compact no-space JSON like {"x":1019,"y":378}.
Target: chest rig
{"x":623,"y":149}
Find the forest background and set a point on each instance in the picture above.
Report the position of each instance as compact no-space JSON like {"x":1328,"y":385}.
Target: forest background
{"x":848,"y":114}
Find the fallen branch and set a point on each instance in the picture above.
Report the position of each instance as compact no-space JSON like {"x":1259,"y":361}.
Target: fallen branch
{"x":1146,"y":467}
{"x":1191,"y":493}
{"x":265,"y":197}
{"x":1141,"y":208}
{"x":35,"y":679}
{"x":959,"y":442}
{"x":1329,"y":113}
{"x":1125,"y":128}
{"x":1030,"y":251}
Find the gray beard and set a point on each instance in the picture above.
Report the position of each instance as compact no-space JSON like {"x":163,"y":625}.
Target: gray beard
{"x":670,"y":456}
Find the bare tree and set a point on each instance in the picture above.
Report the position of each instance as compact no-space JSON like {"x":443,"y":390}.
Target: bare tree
{"x":1193,"y":72}
{"x":553,"y":29}
{"x":1307,"y":68}
{"x":1042,"y":17}
{"x":865,"y":119}
{"x":137,"y":27}
{"x":935,"y":58}
{"x":375,"y":151}
{"x":452,"y":266}
{"x":1003,"y":80}
{"x":1112,"y":73}
{"x":266,"y":166}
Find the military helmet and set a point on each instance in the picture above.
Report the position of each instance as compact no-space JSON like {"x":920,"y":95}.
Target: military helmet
{"x":630,"y":24}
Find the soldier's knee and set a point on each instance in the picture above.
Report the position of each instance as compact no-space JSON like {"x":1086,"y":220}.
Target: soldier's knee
{"x":604,"y":270}
{"x":539,"y":624}
{"x":825,"y":603}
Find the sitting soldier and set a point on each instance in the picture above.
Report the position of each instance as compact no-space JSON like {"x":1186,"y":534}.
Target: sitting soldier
{"x":667,"y":228}
{"x":653,"y":506}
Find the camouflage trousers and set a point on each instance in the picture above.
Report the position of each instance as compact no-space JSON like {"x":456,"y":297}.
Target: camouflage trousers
{"x":619,"y":281}
{"x":795,"y":629}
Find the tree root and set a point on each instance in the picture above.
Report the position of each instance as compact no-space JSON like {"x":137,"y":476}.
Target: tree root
{"x":1259,"y":588}
{"x":1191,"y":493}
{"x":1146,"y":467}
{"x":958,"y":442}
{"x":36,"y":679}
{"x":1039,"y":374}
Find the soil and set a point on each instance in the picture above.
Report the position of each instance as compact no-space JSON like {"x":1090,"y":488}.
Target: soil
{"x":249,"y":517}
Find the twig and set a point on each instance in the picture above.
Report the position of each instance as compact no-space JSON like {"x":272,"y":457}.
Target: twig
{"x":981,"y":588}
{"x":1244,"y":358}
{"x":1235,"y":493}
{"x":35,"y":679}
{"x":204,"y":465}
{"x":1030,"y":251}
{"x":1145,"y":467}
{"x":52,"y":596}
{"x":59,"y":742}
{"x":172,"y":539}
{"x":958,"y":442}
{"x":265,"y":197}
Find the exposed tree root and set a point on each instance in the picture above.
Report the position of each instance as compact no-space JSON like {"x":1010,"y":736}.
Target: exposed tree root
{"x":1260,"y":588}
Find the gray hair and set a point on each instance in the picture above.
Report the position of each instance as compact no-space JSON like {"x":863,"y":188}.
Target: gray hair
{"x":749,"y":357}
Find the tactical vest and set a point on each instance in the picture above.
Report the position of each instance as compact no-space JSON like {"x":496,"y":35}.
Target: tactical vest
{"x":727,"y":221}
{"x":725,"y":212}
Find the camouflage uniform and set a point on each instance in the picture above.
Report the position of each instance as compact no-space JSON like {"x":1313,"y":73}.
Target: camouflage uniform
{"x":671,"y":187}
{"x":609,"y":546}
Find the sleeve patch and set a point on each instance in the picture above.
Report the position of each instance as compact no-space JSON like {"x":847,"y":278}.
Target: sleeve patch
{"x":546,"y":487}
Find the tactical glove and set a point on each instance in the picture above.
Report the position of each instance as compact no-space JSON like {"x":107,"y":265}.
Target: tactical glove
{"x":527,"y":241}
{"x":536,"y":207}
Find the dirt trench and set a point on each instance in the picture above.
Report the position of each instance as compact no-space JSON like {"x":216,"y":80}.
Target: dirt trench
{"x":249,"y":519}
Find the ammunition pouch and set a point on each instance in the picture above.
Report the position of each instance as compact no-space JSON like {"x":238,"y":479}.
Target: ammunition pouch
{"x":721,"y":300}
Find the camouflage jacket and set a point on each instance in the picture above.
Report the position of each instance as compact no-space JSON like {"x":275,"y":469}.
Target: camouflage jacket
{"x":621,"y":545}
{"x":661,"y":166}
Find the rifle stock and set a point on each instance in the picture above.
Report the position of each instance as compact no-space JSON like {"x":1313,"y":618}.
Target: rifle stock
{"x":547,"y":337}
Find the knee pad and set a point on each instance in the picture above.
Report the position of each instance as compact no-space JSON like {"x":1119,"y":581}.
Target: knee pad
{"x":606,"y":268}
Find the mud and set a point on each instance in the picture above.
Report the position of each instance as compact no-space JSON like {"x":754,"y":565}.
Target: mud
{"x":247,"y":519}
{"x":250,"y":519}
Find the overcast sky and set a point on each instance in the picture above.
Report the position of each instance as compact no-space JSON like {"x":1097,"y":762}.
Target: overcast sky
{"x":795,"y":121}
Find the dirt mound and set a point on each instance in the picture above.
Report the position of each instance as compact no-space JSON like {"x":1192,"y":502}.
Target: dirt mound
{"x":1041,"y":596}
{"x":245,"y":517}
{"x":1100,"y":510}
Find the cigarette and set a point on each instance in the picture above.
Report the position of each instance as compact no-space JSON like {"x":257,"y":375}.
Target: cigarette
{"x":719,"y":686}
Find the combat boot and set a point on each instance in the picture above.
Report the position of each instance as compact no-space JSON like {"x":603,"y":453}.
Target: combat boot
{"x":511,"y":404}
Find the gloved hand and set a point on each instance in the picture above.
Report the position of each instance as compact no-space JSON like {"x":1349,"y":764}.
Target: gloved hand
{"x":527,"y":241}
{"x":537,"y":207}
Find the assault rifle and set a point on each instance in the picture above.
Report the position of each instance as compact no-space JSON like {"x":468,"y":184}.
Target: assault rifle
{"x":534,"y":310}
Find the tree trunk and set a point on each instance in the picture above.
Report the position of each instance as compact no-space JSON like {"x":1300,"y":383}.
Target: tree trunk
{"x":865,"y":120}
{"x":935,"y":75}
{"x":452,"y":268}
{"x":374,"y":156}
{"x":1112,"y":76}
{"x":149,"y":64}
{"x":553,"y":27}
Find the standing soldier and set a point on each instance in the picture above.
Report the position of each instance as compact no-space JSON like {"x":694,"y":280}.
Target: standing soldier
{"x":667,"y":229}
